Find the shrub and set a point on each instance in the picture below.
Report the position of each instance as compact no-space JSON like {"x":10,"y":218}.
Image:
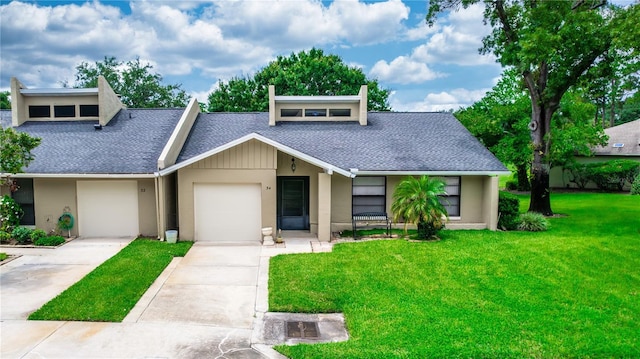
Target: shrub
{"x":635,"y":186}
{"x":614,"y":174}
{"x":10,"y":214}
{"x":21,"y":234}
{"x":5,"y":237}
{"x":580,"y":174}
{"x":50,"y":241}
{"x":508,"y":211}
{"x":37,"y":234}
{"x":511,"y":185}
{"x":533,"y":222}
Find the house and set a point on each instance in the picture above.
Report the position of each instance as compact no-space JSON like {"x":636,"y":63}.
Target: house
{"x":623,"y":144}
{"x":307,"y":164}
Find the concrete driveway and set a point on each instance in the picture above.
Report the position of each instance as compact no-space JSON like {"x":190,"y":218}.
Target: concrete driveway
{"x":202,"y":306}
{"x":205,"y":305}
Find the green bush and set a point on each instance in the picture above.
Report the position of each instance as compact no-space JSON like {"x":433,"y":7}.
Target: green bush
{"x":21,"y":234}
{"x":511,"y":185}
{"x":533,"y":222}
{"x":50,"y":241}
{"x":635,"y":186}
{"x":37,"y":234}
{"x":508,"y":210}
{"x":10,"y":213}
{"x":5,"y":237}
{"x":611,"y":175}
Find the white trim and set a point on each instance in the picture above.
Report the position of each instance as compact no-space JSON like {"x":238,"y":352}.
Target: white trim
{"x":93,"y":91}
{"x":429,"y":173}
{"x":254,"y":136}
{"x":317,"y":99}
{"x":179,"y":135}
{"x":81,"y":175}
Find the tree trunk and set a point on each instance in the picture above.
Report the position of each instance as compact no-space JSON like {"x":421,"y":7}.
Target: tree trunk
{"x":540,"y":128}
{"x":523,"y":177}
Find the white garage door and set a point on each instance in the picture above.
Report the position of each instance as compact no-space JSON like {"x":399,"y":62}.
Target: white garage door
{"x":107,"y":208}
{"x":227,"y":212}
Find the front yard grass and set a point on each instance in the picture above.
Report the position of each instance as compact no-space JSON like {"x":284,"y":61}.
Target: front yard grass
{"x":573,"y":291}
{"x":109,"y":292}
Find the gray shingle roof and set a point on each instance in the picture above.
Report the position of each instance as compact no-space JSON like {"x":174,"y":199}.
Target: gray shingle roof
{"x":392,"y":141}
{"x":127,"y":145}
{"x":627,"y":134}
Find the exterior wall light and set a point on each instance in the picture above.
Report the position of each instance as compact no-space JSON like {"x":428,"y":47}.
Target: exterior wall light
{"x":293,"y":164}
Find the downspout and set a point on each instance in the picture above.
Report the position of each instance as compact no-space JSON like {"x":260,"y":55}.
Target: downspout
{"x":158,"y":215}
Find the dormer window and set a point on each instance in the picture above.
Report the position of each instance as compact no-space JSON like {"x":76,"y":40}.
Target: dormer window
{"x":291,"y":112}
{"x":64,"y":111}
{"x":315,"y":113}
{"x":340,"y":112}
{"x":89,"y":111}
{"x":318,"y":108}
{"x":39,"y":111}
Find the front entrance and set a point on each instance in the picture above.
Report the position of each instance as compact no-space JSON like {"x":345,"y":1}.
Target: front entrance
{"x":293,"y":203}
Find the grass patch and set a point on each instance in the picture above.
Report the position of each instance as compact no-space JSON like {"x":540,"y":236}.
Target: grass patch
{"x":109,"y":292}
{"x":381,"y":232}
{"x":3,"y":256}
{"x":572,"y":291}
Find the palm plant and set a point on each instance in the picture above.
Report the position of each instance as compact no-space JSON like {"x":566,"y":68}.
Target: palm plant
{"x":416,"y":200}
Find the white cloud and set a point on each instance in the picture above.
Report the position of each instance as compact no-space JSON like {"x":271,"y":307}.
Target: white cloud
{"x":458,"y":41}
{"x":403,"y":70}
{"x":442,"y":101}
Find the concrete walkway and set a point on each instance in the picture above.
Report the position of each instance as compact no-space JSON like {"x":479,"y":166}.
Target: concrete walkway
{"x":205,"y":305}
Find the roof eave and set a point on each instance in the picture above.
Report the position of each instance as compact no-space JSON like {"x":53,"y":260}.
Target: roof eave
{"x":429,"y":173}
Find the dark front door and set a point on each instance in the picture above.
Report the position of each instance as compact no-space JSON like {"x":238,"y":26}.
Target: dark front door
{"x":293,"y":203}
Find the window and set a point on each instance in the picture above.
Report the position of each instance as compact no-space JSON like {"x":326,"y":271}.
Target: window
{"x":452,"y":200}
{"x":88,"y":110}
{"x":24,"y":197}
{"x":291,"y":112}
{"x":39,"y":111}
{"x":369,"y":194}
{"x":315,"y":112}
{"x":64,"y":111}
{"x":340,"y":112}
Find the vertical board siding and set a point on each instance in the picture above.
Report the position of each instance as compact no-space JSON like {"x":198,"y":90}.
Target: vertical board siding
{"x":248,"y":155}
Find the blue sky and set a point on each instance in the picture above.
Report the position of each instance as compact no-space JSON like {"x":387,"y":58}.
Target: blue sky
{"x":198,"y":43}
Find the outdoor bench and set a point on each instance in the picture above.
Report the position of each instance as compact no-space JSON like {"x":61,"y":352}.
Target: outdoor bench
{"x":368,"y":217}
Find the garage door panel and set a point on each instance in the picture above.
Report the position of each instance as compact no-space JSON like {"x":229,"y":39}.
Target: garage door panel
{"x":227,"y":212}
{"x":108,"y":208}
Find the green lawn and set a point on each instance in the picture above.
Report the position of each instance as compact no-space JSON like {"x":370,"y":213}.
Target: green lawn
{"x":109,"y":292}
{"x":3,"y":256}
{"x":573,"y":291}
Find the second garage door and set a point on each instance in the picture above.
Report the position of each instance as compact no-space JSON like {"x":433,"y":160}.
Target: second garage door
{"x":108,"y":208}
{"x":227,"y":212}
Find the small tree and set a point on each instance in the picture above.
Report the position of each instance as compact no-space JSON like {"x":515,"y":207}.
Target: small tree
{"x":416,"y":200}
{"x":15,"y":151}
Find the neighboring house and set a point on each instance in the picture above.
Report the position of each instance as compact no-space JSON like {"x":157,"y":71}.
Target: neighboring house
{"x":307,"y":164}
{"x":623,"y":143}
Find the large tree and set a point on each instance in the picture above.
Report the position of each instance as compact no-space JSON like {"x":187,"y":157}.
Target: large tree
{"x":305,"y":73}
{"x":15,"y":152}
{"x":5,"y":103}
{"x":551,"y":44}
{"x":501,"y":121}
{"x":134,"y":81}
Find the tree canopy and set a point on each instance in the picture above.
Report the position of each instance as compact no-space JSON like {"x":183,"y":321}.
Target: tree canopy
{"x":15,"y":151}
{"x":500,"y":120}
{"x":551,"y":44}
{"x":304,"y":74}
{"x":134,"y":81}
{"x":5,"y":103}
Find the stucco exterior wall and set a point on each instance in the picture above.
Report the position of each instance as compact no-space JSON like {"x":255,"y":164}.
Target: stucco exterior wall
{"x":148,"y":221}
{"x":50,"y":197}
{"x":476,"y":202}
